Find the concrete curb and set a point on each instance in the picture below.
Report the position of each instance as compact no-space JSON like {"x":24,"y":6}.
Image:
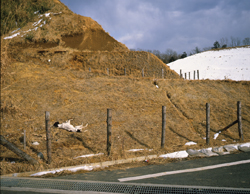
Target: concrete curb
{"x":102,"y":164}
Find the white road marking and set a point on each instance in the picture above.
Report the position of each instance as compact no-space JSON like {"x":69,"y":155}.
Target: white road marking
{"x":183,"y":171}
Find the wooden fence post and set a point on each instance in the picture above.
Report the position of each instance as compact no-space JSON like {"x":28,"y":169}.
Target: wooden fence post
{"x":180,"y":74}
{"x":109,"y":128}
{"x":108,"y":71}
{"x":207,"y":123}
{"x":24,"y":139}
{"x":198,"y":74}
{"x":194,"y":75}
{"x":189,"y":75}
{"x":142,"y":72}
{"x":163,"y":126}
{"x":125,"y":71}
{"x":89,"y":69}
{"x":185,"y":75}
{"x":239,"y":118}
{"x":162,"y":73}
{"x":17,"y":151}
{"x":48,"y":136}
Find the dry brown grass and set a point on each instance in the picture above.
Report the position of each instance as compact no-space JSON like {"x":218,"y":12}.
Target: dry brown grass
{"x":136,"y":113}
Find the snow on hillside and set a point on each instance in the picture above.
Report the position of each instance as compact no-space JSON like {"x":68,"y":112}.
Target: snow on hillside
{"x":231,"y":64}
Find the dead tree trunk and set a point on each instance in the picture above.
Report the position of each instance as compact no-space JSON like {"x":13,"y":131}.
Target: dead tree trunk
{"x":17,"y":151}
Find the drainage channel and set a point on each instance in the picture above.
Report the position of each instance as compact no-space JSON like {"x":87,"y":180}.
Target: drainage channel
{"x":76,"y":185}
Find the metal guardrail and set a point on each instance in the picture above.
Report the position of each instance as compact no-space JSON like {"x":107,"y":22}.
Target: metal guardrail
{"x":76,"y":185}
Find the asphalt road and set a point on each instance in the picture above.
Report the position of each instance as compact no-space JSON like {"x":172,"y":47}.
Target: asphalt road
{"x":228,"y":171}
{"x":237,"y":176}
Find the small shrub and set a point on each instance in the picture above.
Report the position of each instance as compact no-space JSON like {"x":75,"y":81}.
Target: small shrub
{"x":29,"y":37}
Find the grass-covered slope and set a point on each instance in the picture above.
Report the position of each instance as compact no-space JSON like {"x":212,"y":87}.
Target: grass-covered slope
{"x":136,"y":105}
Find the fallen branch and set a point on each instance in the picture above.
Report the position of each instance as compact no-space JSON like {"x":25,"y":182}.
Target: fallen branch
{"x":224,"y":129}
{"x":17,"y":151}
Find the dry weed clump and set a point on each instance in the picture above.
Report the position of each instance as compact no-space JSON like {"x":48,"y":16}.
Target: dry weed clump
{"x":5,"y":61}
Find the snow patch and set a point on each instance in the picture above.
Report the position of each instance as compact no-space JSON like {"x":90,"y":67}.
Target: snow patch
{"x":217,"y":65}
{"x":38,"y":22}
{"x":137,"y":150}
{"x":179,"y":154}
{"x":245,"y":145}
{"x":88,"y":155}
{"x":74,"y":169}
{"x":47,"y":172}
{"x":216,"y":135}
{"x":190,"y":143}
{"x":10,"y":37}
{"x":15,"y":30}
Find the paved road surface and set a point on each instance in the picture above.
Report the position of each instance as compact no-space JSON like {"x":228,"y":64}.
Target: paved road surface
{"x":237,"y":176}
{"x":234,"y":175}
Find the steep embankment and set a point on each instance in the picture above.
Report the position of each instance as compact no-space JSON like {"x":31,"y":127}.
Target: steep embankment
{"x":64,"y":39}
{"x":61,"y":27}
{"x":136,"y":105}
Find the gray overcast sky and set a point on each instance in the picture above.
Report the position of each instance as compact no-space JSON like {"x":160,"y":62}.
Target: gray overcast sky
{"x":180,"y":25}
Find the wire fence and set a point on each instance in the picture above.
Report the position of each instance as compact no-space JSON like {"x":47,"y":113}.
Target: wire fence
{"x":144,"y":72}
{"x":109,"y":133}
{"x":187,"y":75}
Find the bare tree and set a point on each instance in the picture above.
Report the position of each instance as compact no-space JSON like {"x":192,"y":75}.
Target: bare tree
{"x":216,"y":45}
{"x":246,"y":41}
{"x":157,"y":53}
{"x":196,"y":50}
{"x":238,"y":42}
{"x":223,"y":42}
{"x":206,"y":49}
{"x":171,"y":55}
{"x":233,"y":41}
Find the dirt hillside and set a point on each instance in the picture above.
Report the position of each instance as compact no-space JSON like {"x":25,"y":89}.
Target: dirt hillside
{"x":64,"y":39}
{"x":50,"y":72}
